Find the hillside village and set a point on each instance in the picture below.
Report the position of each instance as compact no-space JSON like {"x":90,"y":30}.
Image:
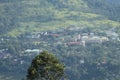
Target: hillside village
{"x":83,"y":34}
{"x":71,"y":36}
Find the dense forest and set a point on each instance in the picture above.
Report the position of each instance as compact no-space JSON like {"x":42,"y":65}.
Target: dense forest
{"x":95,"y":61}
{"x":83,"y":34}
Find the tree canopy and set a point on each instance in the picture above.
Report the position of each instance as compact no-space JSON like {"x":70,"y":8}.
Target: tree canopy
{"x":45,"y":66}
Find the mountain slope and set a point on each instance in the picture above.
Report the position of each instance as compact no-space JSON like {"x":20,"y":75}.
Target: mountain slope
{"x":18,"y":17}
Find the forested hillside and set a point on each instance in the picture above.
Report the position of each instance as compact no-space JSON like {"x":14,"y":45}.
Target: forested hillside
{"x":17,"y":17}
{"x":83,"y":34}
{"x":108,"y":8}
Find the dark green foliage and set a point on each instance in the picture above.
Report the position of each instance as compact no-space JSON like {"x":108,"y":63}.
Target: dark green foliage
{"x":109,"y":9}
{"x":45,"y":66}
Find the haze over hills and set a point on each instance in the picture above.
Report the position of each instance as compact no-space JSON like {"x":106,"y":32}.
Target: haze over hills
{"x":18,"y":17}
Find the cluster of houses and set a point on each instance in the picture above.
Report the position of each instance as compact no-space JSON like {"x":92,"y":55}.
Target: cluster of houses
{"x":67,"y":37}
{"x":71,"y":36}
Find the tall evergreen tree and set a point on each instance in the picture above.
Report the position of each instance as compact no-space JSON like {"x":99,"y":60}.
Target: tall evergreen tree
{"x":45,"y":66}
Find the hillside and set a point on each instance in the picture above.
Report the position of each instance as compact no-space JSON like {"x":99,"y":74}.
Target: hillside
{"x":83,"y":34}
{"x":18,"y":17}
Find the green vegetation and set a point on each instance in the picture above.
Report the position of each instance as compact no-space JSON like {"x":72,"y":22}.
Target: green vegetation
{"x":94,"y":61}
{"x":18,"y":17}
{"x":45,"y":66}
